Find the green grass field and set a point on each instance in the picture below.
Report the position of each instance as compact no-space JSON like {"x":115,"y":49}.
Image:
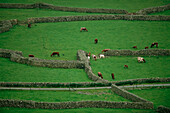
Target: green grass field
{"x":80,"y":110}
{"x":65,"y":37}
{"x":14,"y":72}
{"x":154,"y":67}
{"x":131,"y":6}
{"x":157,"y":96}
{"x":62,"y":96}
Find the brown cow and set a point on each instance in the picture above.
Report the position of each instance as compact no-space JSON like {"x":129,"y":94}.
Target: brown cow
{"x":104,"y":50}
{"x":146,"y":47}
{"x":96,"y":41}
{"x":135,"y":47}
{"x":83,"y":29}
{"x":31,"y":55}
{"x":100,"y":75}
{"x":155,"y":43}
{"x":29,"y":25}
{"x":112,"y":76}
{"x":126,"y":66}
{"x":55,"y":53}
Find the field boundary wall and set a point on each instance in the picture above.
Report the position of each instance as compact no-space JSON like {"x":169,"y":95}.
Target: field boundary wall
{"x":71,"y":105}
{"x":163,"y":109}
{"x":61,"y":8}
{"x":144,"y":52}
{"x":16,"y":56}
{"x":150,"y":10}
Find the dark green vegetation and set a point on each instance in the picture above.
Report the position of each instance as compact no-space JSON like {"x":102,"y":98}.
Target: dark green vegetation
{"x":157,"y":96}
{"x":14,"y":72}
{"x":154,"y":67}
{"x":62,"y":96}
{"x":66,"y":38}
{"x":131,"y":6}
{"x":80,"y":110}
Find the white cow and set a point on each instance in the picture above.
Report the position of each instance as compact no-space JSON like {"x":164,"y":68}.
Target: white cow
{"x":141,"y":59}
{"x":101,"y":56}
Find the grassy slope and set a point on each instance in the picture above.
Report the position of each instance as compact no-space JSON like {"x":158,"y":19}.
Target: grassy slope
{"x":65,"y":37}
{"x":131,"y":6}
{"x":154,"y":67}
{"x":157,"y":96}
{"x":80,"y":110}
{"x":14,"y":72}
{"x":23,"y":14}
{"x":61,"y":96}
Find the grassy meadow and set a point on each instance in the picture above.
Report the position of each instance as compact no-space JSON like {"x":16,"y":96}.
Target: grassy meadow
{"x":130,"y":6}
{"x":14,"y":72}
{"x":78,"y":110}
{"x":154,"y":67}
{"x":66,"y":38}
{"x":62,"y":96}
{"x":157,"y":96}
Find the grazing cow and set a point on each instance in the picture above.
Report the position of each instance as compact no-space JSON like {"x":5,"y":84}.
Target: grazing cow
{"x":94,"y":56}
{"x":101,"y":56}
{"x":141,"y":59}
{"x":155,"y":43}
{"x":100,"y":75}
{"x":29,"y":25}
{"x":112,"y":76}
{"x":55,"y":53}
{"x":126,"y":66}
{"x":135,"y":47}
{"x":96,"y":41}
{"x":146,"y":47}
{"x":89,"y":54}
{"x":31,"y":55}
{"x":105,"y":50}
{"x":83,"y":29}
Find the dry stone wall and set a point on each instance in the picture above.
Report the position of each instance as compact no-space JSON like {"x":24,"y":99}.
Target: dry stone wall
{"x":71,"y":105}
{"x":99,"y":17}
{"x":163,"y":109}
{"x":59,"y":8}
{"x":16,"y":56}
{"x":153,"y":10}
{"x":82,"y":56}
{"x":145,"y":52}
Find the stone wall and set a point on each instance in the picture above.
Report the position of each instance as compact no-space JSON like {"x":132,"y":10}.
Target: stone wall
{"x":140,"y":81}
{"x":82,"y":56}
{"x":163,"y":109}
{"x":127,"y":94}
{"x":145,"y":52}
{"x":99,"y":17}
{"x":153,"y":10}
{"x":70,"y":105}
{"x":7,"y":24}
{"x":60,"y":8}
{"x":16,"y":56}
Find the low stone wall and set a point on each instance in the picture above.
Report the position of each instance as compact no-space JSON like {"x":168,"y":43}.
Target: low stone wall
{"x":54,"y":84}
{"x":71,"y":105}
{"x":99,"y":17}
{"x":127,"y":94}
{"x":140,"y":81}
{"x":163,"y":109}
{"x":59,"y":8}
{"x":153,"y":10}
{"x":82,"y":56}
{"x":7,"y":24}
{"x":16,"y":56}
{"x":145,"y":52}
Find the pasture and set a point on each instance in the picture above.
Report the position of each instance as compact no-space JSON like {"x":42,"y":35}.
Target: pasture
{"x":65,"y":37}
{"x":130,"y":6}
{"x":155,"y":66}
{"x":157,"y":96}
{"x":62,"y":96}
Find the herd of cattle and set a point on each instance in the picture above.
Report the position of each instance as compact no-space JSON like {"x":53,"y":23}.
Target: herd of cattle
{"x":139,"y":59}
